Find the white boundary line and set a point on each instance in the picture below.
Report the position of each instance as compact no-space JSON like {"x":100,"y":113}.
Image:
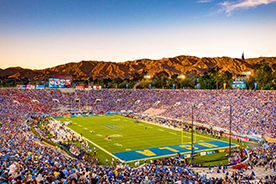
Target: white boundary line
{"x":95,"y":144}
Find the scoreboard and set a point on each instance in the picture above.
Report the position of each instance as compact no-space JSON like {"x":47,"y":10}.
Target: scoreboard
{"x":239,"y":84}
{"x":59,"y":83}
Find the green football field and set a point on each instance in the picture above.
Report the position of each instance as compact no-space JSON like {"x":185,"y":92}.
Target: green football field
{"x":127,"y":136}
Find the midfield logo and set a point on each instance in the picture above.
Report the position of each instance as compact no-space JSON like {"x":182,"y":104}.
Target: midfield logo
{"x":113,"y":126}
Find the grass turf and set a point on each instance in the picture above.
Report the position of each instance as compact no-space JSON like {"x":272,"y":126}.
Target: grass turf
{"x":127,"y":135}
{"x":211,"y":160}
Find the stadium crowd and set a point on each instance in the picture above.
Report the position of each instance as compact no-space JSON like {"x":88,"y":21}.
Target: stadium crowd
{"x":253,"y":112}
{"x":24,"y":159}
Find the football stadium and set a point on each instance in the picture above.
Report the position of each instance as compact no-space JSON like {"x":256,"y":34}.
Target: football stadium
{"x":67,"y":135}
{"x":138,"y":92}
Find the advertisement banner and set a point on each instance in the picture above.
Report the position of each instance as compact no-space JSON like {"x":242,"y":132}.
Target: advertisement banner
{"x":21,"y":86}
{"x":202,"y":153}
{"x":29,"y":86}
{"x":97,"y":87}
{"x":79,"y":87}
{"x":215,"y":151}
{"x":40,"y":86}
{"x":238,"y":84}
{"x":88,"y":88}
{"x":235,"y":137}
{"x":209,"y":152}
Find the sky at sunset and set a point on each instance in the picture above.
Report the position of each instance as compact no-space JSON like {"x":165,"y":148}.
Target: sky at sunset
{"x":38,"y":34}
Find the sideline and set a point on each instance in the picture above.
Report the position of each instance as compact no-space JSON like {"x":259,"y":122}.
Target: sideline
{"x":177,"y":129}
{"x":94,"y":144}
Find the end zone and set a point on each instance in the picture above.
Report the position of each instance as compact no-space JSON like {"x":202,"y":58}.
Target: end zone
{"x":171,"y":150}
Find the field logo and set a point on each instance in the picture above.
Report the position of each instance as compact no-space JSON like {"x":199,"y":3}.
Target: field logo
{"x":113,"y":126}
{"x":116,"y":136}
{"x":117,"y":144}
{"x":146,"y":152}
{"x":115,"y":120}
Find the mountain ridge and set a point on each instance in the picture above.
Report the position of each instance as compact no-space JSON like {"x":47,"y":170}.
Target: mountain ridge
{"x":176,"y":65}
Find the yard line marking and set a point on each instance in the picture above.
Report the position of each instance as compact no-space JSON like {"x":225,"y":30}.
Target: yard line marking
{"x":74,"y":123}
{"x":80,"y":125}
{"x":99,"y":135}
{"x":128,"y":149}
{"x":172,"y":133}
{"x":115,"y":120}
{"x":160,"y":130}
{"x":117,"y":144}
{"x":85,"y":128}
{"x":150,"y":126}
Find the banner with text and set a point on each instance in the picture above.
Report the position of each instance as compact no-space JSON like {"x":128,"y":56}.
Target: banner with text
{"x":235,"y":137}
{"x":29,"y":86}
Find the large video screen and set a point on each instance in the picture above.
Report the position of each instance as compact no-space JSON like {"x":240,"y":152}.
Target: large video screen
{"x":59,"y":83}
{"x":238,"y":84}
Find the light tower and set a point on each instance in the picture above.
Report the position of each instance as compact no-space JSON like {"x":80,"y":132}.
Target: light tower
{"x":242,"y":55}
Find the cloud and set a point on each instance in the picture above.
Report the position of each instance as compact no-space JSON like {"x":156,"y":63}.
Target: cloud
{"x":228,"y":7}
{"x":204,"y":1}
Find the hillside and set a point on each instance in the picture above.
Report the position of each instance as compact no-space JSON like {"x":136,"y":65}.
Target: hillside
{"x":175,"y":65}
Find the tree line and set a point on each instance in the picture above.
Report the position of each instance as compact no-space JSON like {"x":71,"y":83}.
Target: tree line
{"x":264,"y":76}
